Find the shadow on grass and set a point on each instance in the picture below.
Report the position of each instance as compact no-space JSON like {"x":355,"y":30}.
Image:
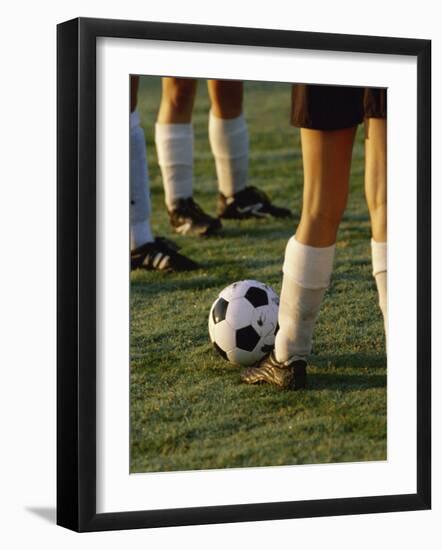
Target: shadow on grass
{"x":351,"y":360}
{"x":260,"y":229}
{"x":155,"y":283}
{"x":151,"y":286}
{"x":350,"y":276}
{"x":355,"y":261}
{"x":245,"y":264}
{"x":347,"y":382}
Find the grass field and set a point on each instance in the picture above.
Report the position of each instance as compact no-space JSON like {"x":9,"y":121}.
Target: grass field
{"x":188,"y":407}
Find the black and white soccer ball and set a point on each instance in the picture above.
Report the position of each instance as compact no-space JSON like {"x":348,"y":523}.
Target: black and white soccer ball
{"x":243,"y":322}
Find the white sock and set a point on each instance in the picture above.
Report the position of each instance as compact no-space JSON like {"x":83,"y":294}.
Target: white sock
{"x":307,"y":272}
{"x":140,"y":229}
{"x":379,"y":260}
{"x":229,"y":140}
{"x":175,"y":156}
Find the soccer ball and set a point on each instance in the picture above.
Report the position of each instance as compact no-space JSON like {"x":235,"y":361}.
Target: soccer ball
{"x":243,"y":322}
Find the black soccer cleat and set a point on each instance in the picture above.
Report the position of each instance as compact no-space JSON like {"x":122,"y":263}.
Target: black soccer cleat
{"x":249,"y":203}
{"x":289,"y":377}
{"x":161,"y":255}
{"x":188,"y":218}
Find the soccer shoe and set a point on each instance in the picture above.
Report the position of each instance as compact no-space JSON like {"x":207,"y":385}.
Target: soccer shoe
{"x":249,"y":203}
{"x":161,"y":255}
{"x":289,"y":377}
{"x":188,"y":218}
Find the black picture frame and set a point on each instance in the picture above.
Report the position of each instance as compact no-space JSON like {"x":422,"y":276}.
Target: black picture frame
{"x":76,"y":273}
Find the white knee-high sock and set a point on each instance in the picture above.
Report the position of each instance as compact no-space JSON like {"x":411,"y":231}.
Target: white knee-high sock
{"x":229,"y":140}
{"x":307,"y":272}
{"x":379,"y":260}
{"x":140,"y":229}
{"x":175,"y":156}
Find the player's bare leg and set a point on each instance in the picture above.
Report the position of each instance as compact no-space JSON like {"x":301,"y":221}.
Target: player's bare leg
{"x":229,"y":141}
{"x":177,"y":100}
{"x":326,"y":161}
{"x":174,"y":140}
{"x":226,"y":97}
{"x":376,"y":195}
{"x":309,"y":256}
{"x":147,"y":252}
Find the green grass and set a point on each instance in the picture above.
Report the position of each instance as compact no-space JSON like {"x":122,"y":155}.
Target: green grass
{"x":188,"y":407}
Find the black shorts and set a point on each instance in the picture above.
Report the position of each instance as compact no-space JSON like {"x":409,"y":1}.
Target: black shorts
{"x":336,"y":107}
